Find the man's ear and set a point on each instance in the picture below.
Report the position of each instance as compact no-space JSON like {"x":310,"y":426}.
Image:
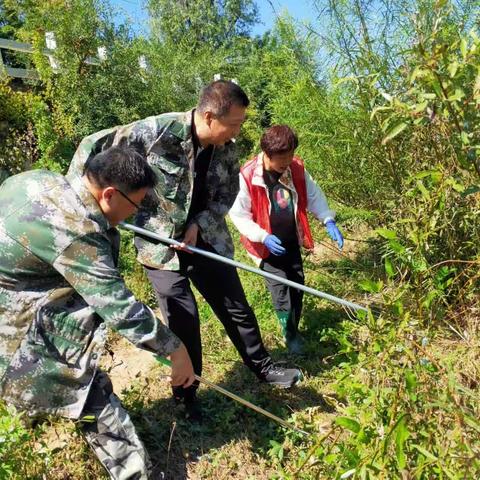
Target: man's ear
{"x":107,"y":193}
{"x":208,"y":117}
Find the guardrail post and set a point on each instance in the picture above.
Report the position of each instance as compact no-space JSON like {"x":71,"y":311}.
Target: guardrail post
{"x":102,"y":53}
{"x":2,"y":66}
{"x":52,"y":45}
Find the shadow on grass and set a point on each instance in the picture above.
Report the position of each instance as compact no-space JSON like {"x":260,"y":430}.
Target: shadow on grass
{"x":174,"y":443}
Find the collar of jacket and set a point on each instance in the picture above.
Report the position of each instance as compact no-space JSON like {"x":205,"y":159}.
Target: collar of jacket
{"x":285,"y":179}
{"x":181,"y":127}
{"x":94,"y":211}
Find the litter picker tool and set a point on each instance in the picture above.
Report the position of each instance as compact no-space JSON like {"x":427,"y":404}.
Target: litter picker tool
{"x":238,"y":399}
{"x":234,"y":263}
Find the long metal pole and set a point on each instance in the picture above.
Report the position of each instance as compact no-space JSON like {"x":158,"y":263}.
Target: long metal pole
{"x":228,"y":261}
{"x":238,"y":399}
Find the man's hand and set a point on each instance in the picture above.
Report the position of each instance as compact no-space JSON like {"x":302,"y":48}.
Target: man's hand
{"x":182,"y":370}
{"x":190,"y":238}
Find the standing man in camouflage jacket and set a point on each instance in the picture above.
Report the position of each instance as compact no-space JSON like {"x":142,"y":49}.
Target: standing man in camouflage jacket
{"x":193,"y":156}
{"x":60,"y":288}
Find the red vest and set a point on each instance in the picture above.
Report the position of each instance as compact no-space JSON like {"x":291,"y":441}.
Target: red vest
{"x":260,"y":206}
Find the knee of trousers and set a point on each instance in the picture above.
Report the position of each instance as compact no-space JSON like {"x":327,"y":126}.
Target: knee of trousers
{"x":116,"y":443}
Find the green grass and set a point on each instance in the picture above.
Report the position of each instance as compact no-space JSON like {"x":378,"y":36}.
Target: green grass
{"x":378,"y":400}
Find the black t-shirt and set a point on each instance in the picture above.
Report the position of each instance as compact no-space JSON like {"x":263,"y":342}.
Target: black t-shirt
{"x":282,"y":214}
{"x":199,"y":194}
{"x":202,"y":163}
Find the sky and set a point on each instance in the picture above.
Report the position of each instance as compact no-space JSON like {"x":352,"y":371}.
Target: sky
{"x":268,"y":9}
{"x":299,"y":9}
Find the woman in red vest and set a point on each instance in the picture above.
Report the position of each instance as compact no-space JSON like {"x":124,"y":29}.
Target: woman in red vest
{"x":271,"y":214}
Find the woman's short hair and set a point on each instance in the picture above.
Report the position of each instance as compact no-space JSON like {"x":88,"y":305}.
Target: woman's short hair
{"x":278,"y":139}
{"x":120,"y":167}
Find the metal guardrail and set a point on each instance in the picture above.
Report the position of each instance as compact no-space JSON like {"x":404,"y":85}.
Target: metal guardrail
{"x":16,"y":72}
{"x":25,"y":73}
{"x":18,"y":46}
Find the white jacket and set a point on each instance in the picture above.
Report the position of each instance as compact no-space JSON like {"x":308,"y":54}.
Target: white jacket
{"x":241,"y":211}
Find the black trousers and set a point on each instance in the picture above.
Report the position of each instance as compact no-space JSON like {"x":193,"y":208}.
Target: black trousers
{"x":220,"y":285}
{"x":290,"y":267}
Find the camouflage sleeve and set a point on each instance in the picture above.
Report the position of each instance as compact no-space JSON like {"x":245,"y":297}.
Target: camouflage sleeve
{"x":140,"y":135}
{"x":228,"y":187}
{"x":88,"y":147}
{"x":87,"y":265}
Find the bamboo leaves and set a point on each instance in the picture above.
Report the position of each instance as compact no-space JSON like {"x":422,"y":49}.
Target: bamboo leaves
{"x":394,"y":131}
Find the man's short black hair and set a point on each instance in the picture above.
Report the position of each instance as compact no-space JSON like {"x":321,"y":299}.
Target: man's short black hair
{"x":219,"y":96}
{"x":120,"y":167}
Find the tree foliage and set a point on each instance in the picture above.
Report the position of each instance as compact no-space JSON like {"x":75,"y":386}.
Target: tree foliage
{"x":190,"y":24}
{"x":385,"y":97}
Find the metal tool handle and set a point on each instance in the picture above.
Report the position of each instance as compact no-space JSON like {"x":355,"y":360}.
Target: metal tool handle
{"x":228,"y":261}
{"x":238,"y":399}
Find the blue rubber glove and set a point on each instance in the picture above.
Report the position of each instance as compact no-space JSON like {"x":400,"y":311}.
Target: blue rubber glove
{"x":274,"y":245}
{"x":334,"y":233}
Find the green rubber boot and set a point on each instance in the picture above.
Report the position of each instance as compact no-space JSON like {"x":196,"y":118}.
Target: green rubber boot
{"x":293,"y":339}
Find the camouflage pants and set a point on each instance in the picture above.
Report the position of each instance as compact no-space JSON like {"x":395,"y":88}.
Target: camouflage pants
{"x":112,"y":436}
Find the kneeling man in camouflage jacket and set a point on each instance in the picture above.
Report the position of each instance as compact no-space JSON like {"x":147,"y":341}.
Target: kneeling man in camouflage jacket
{"x":59,"y":290}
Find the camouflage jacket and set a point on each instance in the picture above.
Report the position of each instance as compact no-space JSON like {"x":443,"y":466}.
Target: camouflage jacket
{"x":166,"y":141}
{"x":59,"y":289}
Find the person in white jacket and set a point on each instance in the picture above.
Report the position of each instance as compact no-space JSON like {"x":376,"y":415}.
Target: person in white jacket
{"x":270,"y":212}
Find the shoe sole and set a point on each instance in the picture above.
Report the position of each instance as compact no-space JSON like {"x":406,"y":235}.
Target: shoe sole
{"x":287,"y":385}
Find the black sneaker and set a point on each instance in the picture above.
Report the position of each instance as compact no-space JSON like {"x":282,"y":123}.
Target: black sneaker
{"x":188,"y":398}
{"x":282,"y":377}
{"x":193,"y":410}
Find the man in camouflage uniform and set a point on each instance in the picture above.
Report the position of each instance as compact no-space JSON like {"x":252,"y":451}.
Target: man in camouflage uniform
{"x":193,"y":156}
{"x":59,"y":290}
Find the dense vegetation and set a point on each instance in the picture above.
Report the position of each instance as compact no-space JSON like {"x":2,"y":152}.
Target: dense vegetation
{"x":385,"y":97}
